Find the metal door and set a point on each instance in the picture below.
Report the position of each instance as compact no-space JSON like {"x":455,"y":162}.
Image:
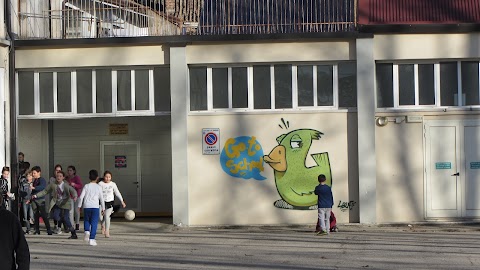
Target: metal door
{"x":122,"y":158}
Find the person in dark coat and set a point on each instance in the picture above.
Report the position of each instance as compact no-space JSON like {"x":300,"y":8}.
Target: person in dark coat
{"x":14,"y":251}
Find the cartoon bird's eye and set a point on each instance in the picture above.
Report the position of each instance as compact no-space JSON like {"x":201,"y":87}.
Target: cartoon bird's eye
{"x":295,"y":144}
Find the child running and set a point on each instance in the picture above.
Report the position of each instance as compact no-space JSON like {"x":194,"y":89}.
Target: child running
{"x":109,"y":190}
{"x":60,"y":193}
{"x":91,"y":198}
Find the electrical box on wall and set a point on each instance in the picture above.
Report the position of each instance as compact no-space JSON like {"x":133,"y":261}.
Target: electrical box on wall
{"x":414,"y":119}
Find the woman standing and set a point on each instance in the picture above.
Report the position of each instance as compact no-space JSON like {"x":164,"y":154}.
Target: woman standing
{"x":74,"y":180}
{"x":110,"y":191}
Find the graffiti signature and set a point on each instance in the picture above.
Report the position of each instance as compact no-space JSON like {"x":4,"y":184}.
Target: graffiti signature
{"x":344,"y":206}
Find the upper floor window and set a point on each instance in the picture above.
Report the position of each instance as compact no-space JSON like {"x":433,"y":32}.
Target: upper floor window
{"x":428,"y":84}
{"x":273,"y":87}
{"x":106,"y":91}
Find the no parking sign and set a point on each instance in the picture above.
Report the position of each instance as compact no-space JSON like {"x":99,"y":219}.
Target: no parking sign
{"x":211,"y":141}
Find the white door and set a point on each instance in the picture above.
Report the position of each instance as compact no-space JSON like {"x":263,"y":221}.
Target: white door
{"x":472,"y":169}
{"x":122,"y":158}
{"x":452,"y":166}
{"x":443,"y":192}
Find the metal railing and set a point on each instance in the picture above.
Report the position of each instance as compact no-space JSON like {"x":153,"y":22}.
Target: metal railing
{"x":66,"y":19}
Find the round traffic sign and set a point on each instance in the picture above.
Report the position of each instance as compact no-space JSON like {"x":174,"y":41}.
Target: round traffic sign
{"x":211,"y":138}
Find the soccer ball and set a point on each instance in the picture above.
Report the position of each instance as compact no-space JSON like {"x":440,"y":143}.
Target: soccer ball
{"x":129,"y":215}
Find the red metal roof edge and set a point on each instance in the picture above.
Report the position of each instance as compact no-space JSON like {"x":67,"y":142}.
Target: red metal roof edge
{"x":420,"y":12}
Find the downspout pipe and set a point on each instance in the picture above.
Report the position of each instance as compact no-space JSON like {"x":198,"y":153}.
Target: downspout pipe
{"x":13,"y":107}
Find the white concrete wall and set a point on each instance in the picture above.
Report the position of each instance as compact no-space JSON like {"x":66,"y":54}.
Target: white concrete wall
{"x":216,"y":198}
{"x":270,"y":52}
{"x":90,"y":57}
{"x":427,"y":46}
{"x":33,"y":142}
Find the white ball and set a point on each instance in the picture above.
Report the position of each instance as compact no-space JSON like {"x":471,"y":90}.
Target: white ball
{"x":129,"y":215}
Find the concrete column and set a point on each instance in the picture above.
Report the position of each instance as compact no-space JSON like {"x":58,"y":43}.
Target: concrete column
{"x":179,"y":98}
{"x":366,"y":130}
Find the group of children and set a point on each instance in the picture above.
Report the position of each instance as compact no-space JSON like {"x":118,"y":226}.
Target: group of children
{"x":62,"y":196}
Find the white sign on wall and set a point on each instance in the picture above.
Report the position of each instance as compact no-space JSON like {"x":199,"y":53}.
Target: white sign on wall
{"x":211,"y":141}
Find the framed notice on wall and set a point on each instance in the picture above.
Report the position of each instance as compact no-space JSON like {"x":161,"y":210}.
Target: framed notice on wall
{"x":120,"y":161}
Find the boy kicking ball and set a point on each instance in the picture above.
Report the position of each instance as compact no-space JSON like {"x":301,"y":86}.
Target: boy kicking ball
{"x":325,"y":203}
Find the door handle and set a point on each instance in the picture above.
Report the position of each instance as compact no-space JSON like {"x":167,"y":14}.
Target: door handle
{"x":135,"y":183}
{"x":456,"y":174}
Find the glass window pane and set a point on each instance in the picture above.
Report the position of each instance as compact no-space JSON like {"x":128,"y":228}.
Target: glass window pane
{"x":470,"y":83}
{"x":239,"y":87}
{"x":64,"y":92}
{"x":220,"y":88}
{"x":305,"y":85}
{"x":161,"y":83}
{"x":142,"y":82}
{"x":325,"y":85}
{"x":46,"y":91}
{"x":426,"y":84}
{"x":198,"y":88}
{"x":406,"y":84}
{"x":124,"y":90}
{"x":26,"y":93}
{"x":384,"y":85}
{"x":283,"y":86}
{"x":347,"y":85}
{"x":84,"y":91}
{"x":448,"y":84}
{"x":262,"y":87}
{"x":104,"y":90}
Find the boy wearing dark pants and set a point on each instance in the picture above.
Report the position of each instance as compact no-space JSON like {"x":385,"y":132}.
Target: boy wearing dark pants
{"x":325,"y":203}
{"x":90,"y":199}
{"x":38,"y":205}
{"x":60,"y":193}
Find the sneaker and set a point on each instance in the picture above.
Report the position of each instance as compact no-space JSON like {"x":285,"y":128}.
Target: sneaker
{"x":92,"y":242}
{"x":322,"y":233}
{"x":74,"y":236}
{"x":77,"y":227}
{"x":49,"y":232}
{"x":86,"y":237}
{"x":58,"y":230}
{"x":31,"y":221}
{"x":27,"y":232}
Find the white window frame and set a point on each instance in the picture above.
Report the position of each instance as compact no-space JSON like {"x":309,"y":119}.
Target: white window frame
{"x":437,"y":87}
{"x":250,"y":90}
{"x":73,"y":88}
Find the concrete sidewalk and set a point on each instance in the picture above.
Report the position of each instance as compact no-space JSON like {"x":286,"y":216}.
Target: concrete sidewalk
{"x":156,"y":244}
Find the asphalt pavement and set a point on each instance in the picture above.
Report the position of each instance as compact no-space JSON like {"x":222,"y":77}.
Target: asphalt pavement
{"x":156,"y":244}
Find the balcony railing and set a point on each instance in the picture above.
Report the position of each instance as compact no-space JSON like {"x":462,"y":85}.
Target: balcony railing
{"x":67,"y":19}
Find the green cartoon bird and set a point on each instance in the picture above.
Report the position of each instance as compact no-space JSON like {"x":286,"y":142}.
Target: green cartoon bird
{"x":294,"y":180}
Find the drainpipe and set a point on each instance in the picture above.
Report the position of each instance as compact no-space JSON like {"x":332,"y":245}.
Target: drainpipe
{"x":13,"y":108}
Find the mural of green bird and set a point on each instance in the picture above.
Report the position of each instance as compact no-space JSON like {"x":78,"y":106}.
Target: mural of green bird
{"x":294,"y":180}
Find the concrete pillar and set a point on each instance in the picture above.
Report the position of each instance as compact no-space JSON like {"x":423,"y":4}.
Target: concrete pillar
{"x":179,"y":98}
{"x":366,"y":130}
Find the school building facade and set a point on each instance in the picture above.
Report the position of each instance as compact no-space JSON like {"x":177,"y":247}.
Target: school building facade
{"x":221,"y":124}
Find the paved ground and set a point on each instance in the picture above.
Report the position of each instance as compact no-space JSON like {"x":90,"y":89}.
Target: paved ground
{"x":153,"y":244}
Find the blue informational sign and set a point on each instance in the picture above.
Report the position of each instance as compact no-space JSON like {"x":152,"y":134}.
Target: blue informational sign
{"x":475,"y":165}
{"x":443,"y":165}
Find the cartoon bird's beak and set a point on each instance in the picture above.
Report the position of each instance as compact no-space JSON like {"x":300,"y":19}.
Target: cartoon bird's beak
{"x":277,"y":159}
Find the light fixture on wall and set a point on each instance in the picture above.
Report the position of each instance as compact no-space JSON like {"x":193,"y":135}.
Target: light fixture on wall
{"x":382,"y":121}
